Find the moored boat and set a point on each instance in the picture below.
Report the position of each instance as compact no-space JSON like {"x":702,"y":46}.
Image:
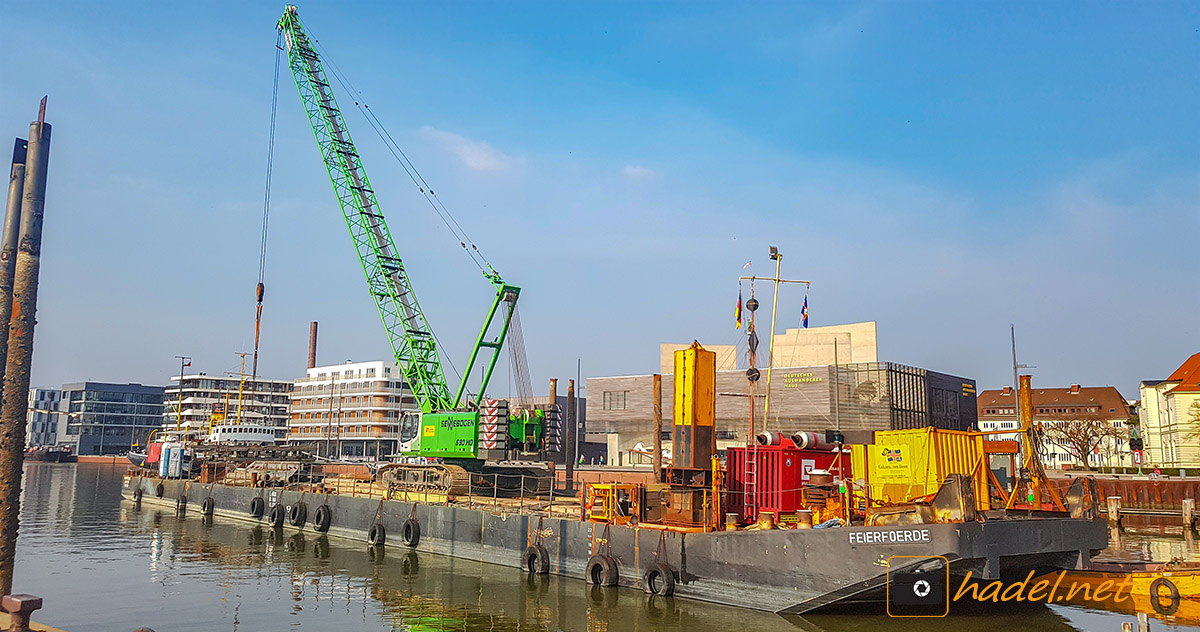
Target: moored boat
{"x":51,"y":454}
{"x":1170,"y":589}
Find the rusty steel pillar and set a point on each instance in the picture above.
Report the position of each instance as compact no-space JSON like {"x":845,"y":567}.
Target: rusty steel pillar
{"x":658,"y":474}
{"x":8,"y":240}
{"x":20,"y":345}
{"x":312,"y":345}
{"x":571,"y":430}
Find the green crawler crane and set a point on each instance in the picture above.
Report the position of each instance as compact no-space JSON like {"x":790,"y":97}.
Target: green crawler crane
{"x":466,"y":437}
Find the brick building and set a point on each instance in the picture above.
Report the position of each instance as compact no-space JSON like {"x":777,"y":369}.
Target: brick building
{"x":998,"y":411}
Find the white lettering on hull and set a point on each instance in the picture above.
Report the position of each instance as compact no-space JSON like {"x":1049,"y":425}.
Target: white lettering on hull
{"x":891,"y":536}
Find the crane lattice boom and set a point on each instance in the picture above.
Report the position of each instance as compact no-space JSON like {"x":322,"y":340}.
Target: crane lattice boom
{"x":411,"y":338}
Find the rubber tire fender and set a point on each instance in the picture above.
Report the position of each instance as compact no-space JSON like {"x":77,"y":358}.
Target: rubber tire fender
{"x":410,"y":533}
{"x":659,"y":580}
{"x":1156,"y":596}
{"x":377,"y":535}
{"x":298,"y":514}
{"x":536,"y":560}
{"x":323,"y":518}
{"x":257,"y":507}
{"x":208,"y":506}
{"x":275,"y":518}
{"x":602,"y":570}
{"x":181,"y":503}
{"x":159,"y":490}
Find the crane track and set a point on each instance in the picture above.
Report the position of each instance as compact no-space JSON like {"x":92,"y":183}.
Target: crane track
{"x":430,"y":477}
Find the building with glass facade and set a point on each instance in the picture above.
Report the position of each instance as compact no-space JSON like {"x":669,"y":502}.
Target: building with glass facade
{"x":105,"y":418}
{"x":41,"y":422}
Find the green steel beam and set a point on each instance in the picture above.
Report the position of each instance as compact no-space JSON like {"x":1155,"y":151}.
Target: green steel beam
{"x":506,"y":295}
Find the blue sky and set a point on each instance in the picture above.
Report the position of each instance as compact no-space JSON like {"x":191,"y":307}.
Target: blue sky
{"x":943,"y":168}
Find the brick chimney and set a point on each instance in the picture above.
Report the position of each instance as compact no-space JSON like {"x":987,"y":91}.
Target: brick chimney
{"x":1074,"y":389}
{"x":1008,"y":390}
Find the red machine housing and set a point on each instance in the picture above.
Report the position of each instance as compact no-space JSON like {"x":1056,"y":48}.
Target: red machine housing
{"x":783,"y":469}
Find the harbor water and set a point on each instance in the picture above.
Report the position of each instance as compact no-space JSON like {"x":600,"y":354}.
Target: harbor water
{"x":102,"y":564}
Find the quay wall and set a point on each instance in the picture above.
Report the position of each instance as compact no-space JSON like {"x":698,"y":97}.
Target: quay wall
{"x":1142,"y":493}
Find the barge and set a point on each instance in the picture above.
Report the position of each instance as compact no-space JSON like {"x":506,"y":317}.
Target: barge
{"x":787,"y":571}
{"x":788,"y":525}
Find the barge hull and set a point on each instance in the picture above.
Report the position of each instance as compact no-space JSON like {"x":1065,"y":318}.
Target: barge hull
{"x":783,"y":571}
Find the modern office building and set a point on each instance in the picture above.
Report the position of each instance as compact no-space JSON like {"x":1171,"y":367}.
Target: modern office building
{"x":1169,"y":416}
{"x":41,"y":426}
{"x":254,"y":401}
{"x":1075,"y":404}
{"x":350,"y":410}
{"x":105,"y":418}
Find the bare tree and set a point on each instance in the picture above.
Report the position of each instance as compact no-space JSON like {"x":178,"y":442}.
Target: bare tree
{"x":1193,"y":422}
{"x":1081,"y":435}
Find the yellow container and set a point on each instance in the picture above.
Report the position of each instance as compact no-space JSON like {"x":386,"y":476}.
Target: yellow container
{"x":695,"y":386}
{"x":902,"y":466}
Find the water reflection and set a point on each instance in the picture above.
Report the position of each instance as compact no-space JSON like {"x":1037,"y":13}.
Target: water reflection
{"x":106,"y":565}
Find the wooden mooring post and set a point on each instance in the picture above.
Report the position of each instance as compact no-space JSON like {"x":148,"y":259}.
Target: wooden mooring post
{"x":1115,"y":511}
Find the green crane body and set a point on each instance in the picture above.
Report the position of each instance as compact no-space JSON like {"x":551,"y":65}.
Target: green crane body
{"x":449,"y":427}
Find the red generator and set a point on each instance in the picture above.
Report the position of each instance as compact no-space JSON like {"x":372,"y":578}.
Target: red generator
{"x":783,"y":468}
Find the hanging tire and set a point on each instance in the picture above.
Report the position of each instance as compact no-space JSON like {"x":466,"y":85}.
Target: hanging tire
{"x":159,"y":490}
{"x":298,"y":514}
{"x":1156,"y":596}
{"x":181,"y":504}
{"x":536,"y":560}
{"x":275,"y":518}
{"x":257,"y":507}
{"x":659,"y":580}
{"x":410,"y":534}
{"x":323,"y":518}
{"x":208,"y":506}
{"x":602,"y":571}
{"x":377,"y":535}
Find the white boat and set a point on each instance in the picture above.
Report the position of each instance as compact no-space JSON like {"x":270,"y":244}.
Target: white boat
{"x":244,"y":432}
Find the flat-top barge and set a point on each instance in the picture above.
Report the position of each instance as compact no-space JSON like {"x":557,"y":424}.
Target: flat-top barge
{"x":789,"y":525}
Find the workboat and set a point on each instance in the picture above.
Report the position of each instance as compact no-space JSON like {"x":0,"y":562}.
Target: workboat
{"x":1170,"y":589}
{"x":172,"y":454}
{"x":51,"y":454}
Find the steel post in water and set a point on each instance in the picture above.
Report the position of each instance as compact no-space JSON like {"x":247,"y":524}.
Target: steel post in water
{"x":571,"y":421}
{"x":8,"y":240}
{"x":20,"y":344}
{"x":658,"y":461}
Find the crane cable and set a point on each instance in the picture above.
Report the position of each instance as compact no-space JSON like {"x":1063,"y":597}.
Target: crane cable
{"x":266,"y":218}
{"x":401,"y":157}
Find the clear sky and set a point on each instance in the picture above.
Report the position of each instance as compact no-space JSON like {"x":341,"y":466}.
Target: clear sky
{"x":943,"y":168}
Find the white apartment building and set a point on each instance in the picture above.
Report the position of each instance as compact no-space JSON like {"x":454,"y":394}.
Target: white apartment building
{"x":41,"y":422}
{"x":350,"y":410}
{"x":262,"y":401}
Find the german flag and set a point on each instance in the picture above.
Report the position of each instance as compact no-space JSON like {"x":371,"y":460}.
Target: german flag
{"x":738,"y":313}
